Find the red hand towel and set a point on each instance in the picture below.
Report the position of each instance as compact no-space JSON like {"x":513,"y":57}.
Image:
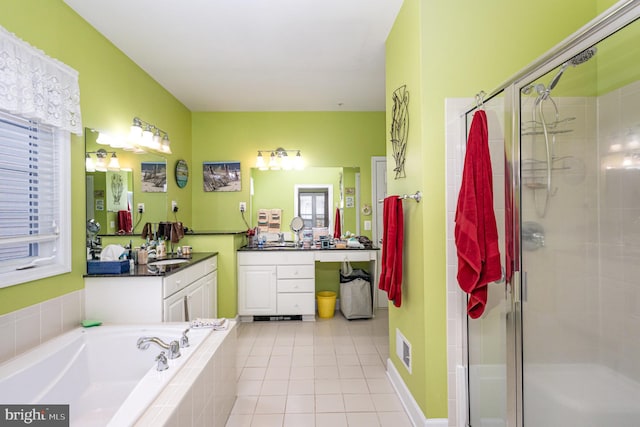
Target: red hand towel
{"x":124,"y":222}
{"x":337,"y":227}
{"x":476,"y":234}
{"x":391,"y":261}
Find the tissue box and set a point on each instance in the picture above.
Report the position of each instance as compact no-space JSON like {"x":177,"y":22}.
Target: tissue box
{"x":108,"y":267}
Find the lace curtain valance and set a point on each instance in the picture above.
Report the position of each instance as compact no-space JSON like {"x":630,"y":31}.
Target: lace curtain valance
{"x":37,"y":86}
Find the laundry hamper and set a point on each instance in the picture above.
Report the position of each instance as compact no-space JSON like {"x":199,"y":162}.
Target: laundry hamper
{"x":355,"y":294}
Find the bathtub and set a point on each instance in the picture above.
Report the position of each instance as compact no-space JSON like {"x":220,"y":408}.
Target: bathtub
{"x":99,"y":372}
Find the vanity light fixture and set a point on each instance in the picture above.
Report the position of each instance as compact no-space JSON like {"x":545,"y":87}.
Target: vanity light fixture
{"x":101,"y":164}
{"x":279,"y":159}
{"x":147,"y":136}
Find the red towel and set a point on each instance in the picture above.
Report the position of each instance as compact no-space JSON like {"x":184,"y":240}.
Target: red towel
{"x":337,"y":227}
{"x":392,"y":240}
{"x":124,"y":222}
{"x":476,"y":234}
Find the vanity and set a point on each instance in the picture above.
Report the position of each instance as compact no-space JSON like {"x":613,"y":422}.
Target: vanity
{"x":280,"y":281}
{"x":173,"y":292}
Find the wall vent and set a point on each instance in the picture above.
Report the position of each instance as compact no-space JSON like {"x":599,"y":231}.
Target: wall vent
{"x":403,"y":350}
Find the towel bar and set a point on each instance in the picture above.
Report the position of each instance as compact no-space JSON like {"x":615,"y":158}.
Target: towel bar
{"x":417,"y":196}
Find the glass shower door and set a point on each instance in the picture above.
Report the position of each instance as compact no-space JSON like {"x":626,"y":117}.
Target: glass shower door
{"x":580,"y":231}
{"x":487,"y":335}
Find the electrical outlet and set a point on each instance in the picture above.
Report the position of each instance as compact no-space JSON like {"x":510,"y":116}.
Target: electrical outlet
{"x":140,"y":207}
{"x":243,"y":206}
{"x":174,"y":206}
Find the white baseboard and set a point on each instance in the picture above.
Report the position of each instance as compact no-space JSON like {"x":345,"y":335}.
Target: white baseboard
{"x":410,"y":405}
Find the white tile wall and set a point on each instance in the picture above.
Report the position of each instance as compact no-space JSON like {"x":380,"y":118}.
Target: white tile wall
{"x":26,"y":328}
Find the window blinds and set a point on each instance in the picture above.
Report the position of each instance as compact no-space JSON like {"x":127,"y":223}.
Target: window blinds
{"x":29,"y":212}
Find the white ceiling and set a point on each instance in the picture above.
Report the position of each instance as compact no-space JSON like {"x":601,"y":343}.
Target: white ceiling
{"x":254,"y":55}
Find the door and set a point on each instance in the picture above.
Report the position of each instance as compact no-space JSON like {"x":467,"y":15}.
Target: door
{"x":487,"y":336}
{"x":378,"y":192}
{"x":257,"y":287}
{"x":580,"y":230}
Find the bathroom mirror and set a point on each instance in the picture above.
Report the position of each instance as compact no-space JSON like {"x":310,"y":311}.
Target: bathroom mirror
{"x":109,"y":192}
{"x":276,"y":189}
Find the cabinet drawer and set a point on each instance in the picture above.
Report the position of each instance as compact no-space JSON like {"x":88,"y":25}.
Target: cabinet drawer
{"x":175,"y":282}
{"x":210,"y":264}
{"x":275,"y":257}
{"x":353,"y":255}
{"x":296,"y":285}
{"x":296,"y":271}
{"x":296,"y":303}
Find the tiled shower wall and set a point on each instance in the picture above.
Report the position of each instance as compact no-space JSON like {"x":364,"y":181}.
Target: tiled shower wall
{"x":619,"y":123}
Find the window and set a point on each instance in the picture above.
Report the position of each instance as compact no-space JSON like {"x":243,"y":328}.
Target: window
{"x":312,"y":205}
{"x":34,"y":200}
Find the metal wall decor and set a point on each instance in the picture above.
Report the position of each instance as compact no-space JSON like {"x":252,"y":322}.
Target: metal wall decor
{"x":400,"y":128}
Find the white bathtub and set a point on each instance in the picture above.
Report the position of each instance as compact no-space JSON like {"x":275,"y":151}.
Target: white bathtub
{"x":99,"y":372}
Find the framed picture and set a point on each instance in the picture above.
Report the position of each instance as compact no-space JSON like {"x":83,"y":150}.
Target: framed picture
{"x":221,"y":176}
{"x":154,"y":177}
{"x":117,"y":183}
{"x":349,"y":201}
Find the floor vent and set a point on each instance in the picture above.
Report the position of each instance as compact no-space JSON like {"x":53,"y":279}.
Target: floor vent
{"x":272,"y":318}
{"x":403,"y":350}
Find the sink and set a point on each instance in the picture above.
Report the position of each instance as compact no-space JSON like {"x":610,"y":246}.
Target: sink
{"x":280,"y":245}
{"x":171,"y":261}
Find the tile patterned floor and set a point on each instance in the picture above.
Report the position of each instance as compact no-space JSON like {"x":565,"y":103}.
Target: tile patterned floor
{"x":325,"y":373}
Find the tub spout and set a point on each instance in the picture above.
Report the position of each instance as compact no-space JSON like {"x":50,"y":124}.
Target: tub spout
{"x":173,"y":346}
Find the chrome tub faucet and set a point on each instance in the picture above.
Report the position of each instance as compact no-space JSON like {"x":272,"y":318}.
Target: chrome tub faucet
{"x":173,"y":346}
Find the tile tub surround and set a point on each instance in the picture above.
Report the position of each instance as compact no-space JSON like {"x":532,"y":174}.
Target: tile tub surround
{"x":203,"y":392}
{"x":29,"y":327}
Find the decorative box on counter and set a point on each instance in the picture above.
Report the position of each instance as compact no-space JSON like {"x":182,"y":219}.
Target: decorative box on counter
{"x":108,"y":267}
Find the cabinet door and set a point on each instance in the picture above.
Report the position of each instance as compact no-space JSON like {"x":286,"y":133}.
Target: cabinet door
{"x":257,"y":286}
{"x":174,"y":307}
{"x":198,"y":298}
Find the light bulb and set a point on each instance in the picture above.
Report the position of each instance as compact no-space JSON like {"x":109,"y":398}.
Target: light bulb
{"x":89,"y":166}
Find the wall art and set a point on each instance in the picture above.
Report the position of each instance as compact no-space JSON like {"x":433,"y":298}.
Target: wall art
{"x":400,"y":128}
{"x":221,"y":176}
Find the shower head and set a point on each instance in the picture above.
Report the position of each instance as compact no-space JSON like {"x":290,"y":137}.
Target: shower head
{"x":580,"y":58}
{"x":583,"y":56}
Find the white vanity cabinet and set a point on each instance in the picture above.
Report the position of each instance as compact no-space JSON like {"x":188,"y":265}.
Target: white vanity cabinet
{"x":148,"y":299}
{"x":276,"y":283}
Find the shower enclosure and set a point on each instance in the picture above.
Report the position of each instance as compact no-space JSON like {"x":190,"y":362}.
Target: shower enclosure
{"x":559,"y":342}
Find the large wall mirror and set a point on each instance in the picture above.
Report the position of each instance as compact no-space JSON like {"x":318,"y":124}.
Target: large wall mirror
{"x":111,"y":193}
{"x":282,"y":189}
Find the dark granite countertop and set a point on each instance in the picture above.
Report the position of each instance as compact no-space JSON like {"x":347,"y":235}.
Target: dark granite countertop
{"x":271,"y":248}
{"x":149,"y":270}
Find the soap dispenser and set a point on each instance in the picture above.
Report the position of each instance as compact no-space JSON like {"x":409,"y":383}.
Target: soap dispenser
{"x":161,"y":250}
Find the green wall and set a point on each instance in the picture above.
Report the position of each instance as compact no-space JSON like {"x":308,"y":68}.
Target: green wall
{"x":113,"y":90}
{"x":445,"y":50}
{"x":324,"y":138}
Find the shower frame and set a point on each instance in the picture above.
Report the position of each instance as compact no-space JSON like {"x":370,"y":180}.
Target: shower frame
{"x":612,"y":20}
